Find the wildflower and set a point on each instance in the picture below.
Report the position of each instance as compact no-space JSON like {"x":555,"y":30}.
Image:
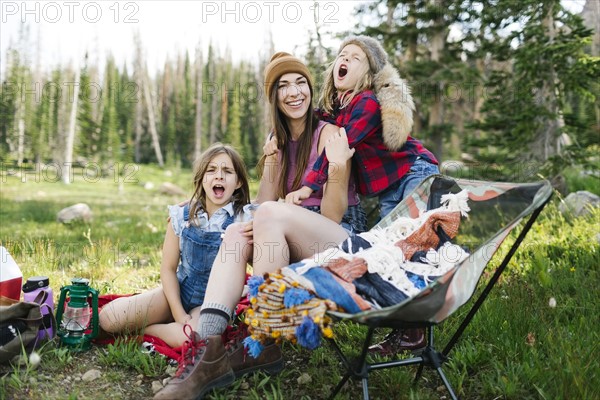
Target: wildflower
{"x":552,"y":302}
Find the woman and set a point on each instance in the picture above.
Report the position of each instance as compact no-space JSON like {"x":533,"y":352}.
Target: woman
{"x":300,"y":138}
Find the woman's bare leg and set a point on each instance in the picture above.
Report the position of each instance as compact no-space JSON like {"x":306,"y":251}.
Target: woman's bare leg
{"x":226,"y":282}
{"x":228,"y":272}
{"x":173,"y":333}
{"x":129,"y":314}
{"x":284,"y":234}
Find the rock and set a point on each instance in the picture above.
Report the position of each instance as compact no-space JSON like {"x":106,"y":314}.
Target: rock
{"x":171,"y":189}
{"x":304,"y":379}
{"x":91,"y":375}
{"x":148,"y":185}
{"x":156,"y":386}
{"x":579,"y":203}
{"x":79,"y":211}
{"x":171,"y":370}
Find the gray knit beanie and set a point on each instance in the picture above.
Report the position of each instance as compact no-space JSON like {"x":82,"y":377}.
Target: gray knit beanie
{"x":375,"y":53}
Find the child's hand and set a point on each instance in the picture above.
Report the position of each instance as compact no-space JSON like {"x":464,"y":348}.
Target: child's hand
{"x":270,"y":147}
{"x":337,"y":149}
{"x":298,"y":196}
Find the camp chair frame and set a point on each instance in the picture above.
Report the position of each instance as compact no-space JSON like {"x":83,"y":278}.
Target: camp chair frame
{"x":430,"y":357}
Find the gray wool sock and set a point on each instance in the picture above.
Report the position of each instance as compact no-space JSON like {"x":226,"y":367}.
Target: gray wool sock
{"x":213,"y":319}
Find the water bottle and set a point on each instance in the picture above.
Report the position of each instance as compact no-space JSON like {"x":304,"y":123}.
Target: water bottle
{"x":37,"y":290}
{"x":11,"y":277}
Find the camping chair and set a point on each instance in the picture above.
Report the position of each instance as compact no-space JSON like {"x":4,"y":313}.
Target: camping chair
{"x":496,"y":209}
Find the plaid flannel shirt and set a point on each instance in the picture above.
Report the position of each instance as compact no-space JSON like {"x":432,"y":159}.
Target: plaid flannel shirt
{"x":375,"y":166}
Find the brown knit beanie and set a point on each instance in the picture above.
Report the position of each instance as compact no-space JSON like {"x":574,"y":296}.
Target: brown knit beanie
{"x":283,"y":63}
{"x":375,"y":53}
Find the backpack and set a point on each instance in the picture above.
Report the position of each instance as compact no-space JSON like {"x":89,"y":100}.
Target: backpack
{"x":20,"y":324}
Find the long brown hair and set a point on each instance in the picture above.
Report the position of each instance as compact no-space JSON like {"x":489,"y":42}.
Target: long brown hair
{"x":241,"y":195}
{"x":282,"y":133}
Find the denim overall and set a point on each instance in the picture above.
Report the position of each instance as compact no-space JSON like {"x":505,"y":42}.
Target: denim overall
{"x":198,"y":252}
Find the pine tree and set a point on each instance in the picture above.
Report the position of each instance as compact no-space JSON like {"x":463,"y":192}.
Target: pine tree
{"x":526,"y":102}
{"x":233,"y":134}
{"x":89,"y":129}
{"x":415,"y":34}
{"x":11,"y":94}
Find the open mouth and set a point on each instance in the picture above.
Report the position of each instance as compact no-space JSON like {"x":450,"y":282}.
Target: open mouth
{"x":342,"y":71}
{"x":295,"y":103}
{"x":218,"y":190}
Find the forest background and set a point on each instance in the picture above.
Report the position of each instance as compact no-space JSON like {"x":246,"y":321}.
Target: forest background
{"x":507,"y":86}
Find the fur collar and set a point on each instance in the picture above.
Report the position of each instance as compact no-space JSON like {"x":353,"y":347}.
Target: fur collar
{"x":397,"y":106}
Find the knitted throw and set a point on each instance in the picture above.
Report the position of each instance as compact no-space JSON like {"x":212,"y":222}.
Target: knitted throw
{"x":372,"y":270}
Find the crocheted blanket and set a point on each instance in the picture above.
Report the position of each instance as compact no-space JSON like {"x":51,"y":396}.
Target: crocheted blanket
{"x":375,"y":269}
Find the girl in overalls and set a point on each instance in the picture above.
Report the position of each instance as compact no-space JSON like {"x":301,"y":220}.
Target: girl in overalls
{"x":194,"y":234}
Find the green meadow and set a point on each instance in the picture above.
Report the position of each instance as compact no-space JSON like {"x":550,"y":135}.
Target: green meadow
{"x":519,"y":346}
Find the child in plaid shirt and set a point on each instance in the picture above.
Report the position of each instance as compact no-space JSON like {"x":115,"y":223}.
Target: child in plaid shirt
{"x":364,"y":94}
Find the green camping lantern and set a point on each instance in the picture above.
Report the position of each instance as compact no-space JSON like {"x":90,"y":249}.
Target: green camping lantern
{"x":76,"y":318}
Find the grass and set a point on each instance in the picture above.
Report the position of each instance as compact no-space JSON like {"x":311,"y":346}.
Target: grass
{"x":517,"y":347}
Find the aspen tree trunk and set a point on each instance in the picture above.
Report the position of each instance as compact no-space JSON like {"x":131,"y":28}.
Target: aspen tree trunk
{"x":21,"y":135}
{"x":411,"y":56}
{"x":225,"y":87}
{"x":66,"y":177}
{"x":389,"y":21}
{"x":139,"y":109}
{"x":152,"y":120}
{"x":436,"y":111}
{"x":198,"y":125}
{"x":546,"y":142}
{"x":213,"y":102}
{"x":477,"y":94}
{"x":37,"y":79}
{"x":266,"y":112}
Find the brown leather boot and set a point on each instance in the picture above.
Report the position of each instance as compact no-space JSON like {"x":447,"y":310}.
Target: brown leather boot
{"x":270,"y":359}
{"x":203,"y":367}
{"x":400,"y":340}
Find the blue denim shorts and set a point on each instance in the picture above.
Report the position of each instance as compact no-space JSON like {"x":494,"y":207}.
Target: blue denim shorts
{"x":389,"y":199}
{"x":353,"y":221}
